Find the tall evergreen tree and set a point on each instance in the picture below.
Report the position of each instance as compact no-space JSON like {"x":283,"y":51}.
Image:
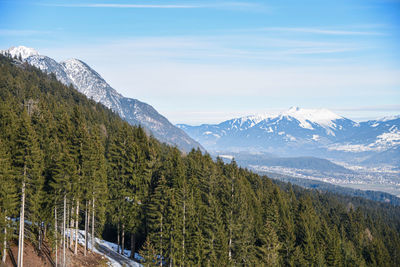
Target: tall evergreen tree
{"x":8,"y":198}
{"x":27,"y":161}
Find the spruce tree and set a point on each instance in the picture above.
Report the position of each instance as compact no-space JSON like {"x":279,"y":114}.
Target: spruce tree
{"x":8,"y":198}
{"x":27,"y":162}
{"x":157,"y":218}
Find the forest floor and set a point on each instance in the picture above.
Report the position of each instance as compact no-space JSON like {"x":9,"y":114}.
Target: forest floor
{"x":109,"y":250}
{"x":34,"y":259}
{"x":104,"y":254}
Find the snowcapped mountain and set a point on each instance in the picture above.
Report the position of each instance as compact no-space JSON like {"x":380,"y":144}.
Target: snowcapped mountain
{"x":372,"y":136}
{"x":91,"y":84}
{"x":87,"y":81}
{"x":299,"y":132}
{"x":19,"y":51}
{"x":49,"y":65}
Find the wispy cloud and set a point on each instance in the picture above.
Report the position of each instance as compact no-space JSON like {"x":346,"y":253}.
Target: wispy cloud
{"x":371,"y":108}
{"x":15,"y":32}
{"x":153,"y":6}
{"x":321,"y":31}
{"x":123,"y":5}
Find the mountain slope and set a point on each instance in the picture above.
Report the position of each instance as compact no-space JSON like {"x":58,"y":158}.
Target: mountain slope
{"x":299,"y":132}
{"x":87,"y":81}
{"x":275,"y":133}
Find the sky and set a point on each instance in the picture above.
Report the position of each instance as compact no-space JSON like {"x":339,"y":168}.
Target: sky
{"x":209,"y":61}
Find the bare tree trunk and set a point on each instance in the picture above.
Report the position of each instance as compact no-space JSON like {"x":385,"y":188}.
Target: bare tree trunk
{"x":184,"y":230}
{"x":22,"y":224}
{"x":118,"y":237}
{"x":171,"y":260}
{"x":66,"y":227}
{"x":161,"y":240}
{"x":230,"y":226}
{"x":23,"y":228}
{"x":133,"y":246}
{"x":93,"y":223}
{"x":88,"y":227}
{"x":64,"y":220}
{"x":40,"y":237}
{"x":5,"y":240}
{"x":55,"y":231}
{"x":71,"y":226}
{"x":86,"y":230}
{"x":76,"y":227}
{"x":123,"y":239}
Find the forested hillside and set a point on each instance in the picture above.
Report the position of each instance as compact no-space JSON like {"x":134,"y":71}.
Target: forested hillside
{"x":67,"y":162}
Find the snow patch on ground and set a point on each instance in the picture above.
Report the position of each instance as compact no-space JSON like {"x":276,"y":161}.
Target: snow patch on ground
{"x":109,"y":250}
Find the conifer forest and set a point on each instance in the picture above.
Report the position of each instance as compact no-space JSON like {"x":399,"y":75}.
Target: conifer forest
{"x":69,"y":164}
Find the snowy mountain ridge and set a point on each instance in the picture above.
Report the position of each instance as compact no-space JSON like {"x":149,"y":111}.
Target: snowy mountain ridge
{"x":20,"y":51}
{"x":323,"y":117}
{"x":91,"y":84}
{"x":87,"y":81}
{"x":300,"y":132}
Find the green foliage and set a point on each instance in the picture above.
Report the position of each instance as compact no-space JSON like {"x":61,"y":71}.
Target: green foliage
{"x":182,"y":209}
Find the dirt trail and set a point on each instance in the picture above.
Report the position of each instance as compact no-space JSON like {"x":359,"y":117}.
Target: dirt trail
{"x":116,"y":256}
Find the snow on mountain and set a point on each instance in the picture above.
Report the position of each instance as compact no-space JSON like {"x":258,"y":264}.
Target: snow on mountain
{"x":87,"y":81}
{"x":300,"y":132}
{"x":20,"y":51}
{"x":49,"y":65}
{"x":388,"y":118}
{"x":374,"y":135}
{"x":91,"y":84}
{"x":322,"y":117}
{"x":305,"y":117}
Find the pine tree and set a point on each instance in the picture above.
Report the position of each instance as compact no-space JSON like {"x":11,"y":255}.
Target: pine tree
{"x":157,"y":216}
{"x":62,"y":176}
{"x":8,"y":198}
{"x":333,"y":253}
{"x":121,"y":154}
{"x":27,"y":161}
{"x":149,"y":254}
{"x":94,"y":173}
{"x":268,"y":252}
{"x":214,"y":228}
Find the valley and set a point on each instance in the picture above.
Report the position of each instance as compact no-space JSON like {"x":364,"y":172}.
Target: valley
{"x":364,"y":179}
{"x":310,"y":144}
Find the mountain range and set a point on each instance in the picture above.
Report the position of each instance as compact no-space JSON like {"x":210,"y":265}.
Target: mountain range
{"x":87,"y":81}
{"x":304,"y":132}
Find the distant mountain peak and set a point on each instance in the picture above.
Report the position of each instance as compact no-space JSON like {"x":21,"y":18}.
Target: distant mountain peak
{"x":17,"y":51}
{"x":324,"y":117}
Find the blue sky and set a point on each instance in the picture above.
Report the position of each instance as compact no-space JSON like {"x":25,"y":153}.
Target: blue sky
{"x":207,"y":61}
